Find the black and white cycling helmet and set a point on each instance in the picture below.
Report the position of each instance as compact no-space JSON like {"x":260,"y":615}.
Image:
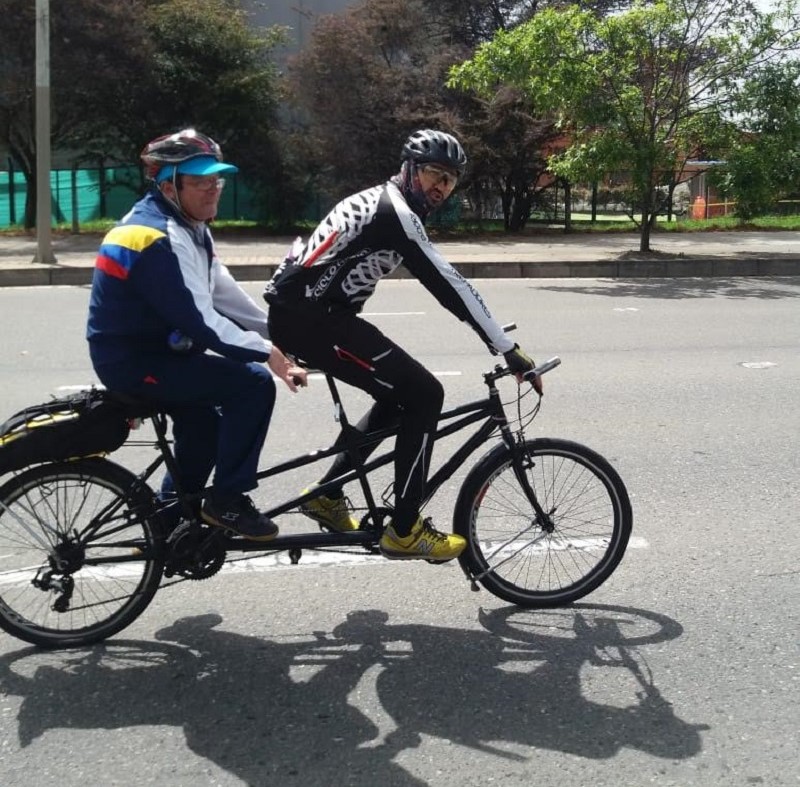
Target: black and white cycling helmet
{"x":428,"y":146}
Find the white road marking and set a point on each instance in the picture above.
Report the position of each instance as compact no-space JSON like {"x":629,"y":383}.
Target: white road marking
{"x":280,"y":560}
{"x":758,"y":364}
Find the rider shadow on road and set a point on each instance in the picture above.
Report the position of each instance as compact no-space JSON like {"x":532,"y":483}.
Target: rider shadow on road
{"x":342,"y":707}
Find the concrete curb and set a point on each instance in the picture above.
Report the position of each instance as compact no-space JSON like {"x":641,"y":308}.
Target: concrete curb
{"x":32,"y":274}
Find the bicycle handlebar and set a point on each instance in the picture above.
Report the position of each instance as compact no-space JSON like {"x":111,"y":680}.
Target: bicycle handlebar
{"x":547,"y":366}
{"x":543,"y":368}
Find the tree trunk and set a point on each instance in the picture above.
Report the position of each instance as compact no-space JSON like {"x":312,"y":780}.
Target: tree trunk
{"x":506,"y":200}
{"x":567,"y":207}
{"x":647,"y":217}
{"x":26,"y":159}
{"x":30,"y":201}
{"x":644,"y":235}
{"x":521,"y":211}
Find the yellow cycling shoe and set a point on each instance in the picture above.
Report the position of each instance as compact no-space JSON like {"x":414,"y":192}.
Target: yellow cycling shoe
{"x":424,"y":542}
{"x":329,"y":512}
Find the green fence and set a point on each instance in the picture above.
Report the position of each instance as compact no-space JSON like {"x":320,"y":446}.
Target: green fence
{"x":90,"y":194}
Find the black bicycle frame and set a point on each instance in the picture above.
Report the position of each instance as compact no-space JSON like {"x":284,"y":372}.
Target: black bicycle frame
{"x":489,"y":411}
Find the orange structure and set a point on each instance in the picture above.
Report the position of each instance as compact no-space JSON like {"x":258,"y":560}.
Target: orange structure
{"x":699,"y":207}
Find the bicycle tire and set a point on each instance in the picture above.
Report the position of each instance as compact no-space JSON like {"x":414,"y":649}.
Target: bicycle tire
{"x":511,"y":555}
{"x":102,"y":581}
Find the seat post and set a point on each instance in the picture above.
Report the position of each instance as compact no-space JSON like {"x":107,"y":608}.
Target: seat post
{"x":338,"y":408}
{"x":159,"y":421}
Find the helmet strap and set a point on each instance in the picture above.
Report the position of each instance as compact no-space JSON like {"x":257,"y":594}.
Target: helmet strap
{"x":176,"y":202}
{"x":412,"y":190}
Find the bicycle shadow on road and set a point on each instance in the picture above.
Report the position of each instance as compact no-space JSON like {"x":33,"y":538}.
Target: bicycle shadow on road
{"x":345,"y":705}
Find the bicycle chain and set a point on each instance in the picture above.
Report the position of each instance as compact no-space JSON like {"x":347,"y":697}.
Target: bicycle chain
{"x":251,"y":556}
{"x":219,"y":558}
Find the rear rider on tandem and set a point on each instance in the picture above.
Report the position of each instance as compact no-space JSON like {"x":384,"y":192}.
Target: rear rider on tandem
{"x":161,"y":298}
{"x":315,"y":298}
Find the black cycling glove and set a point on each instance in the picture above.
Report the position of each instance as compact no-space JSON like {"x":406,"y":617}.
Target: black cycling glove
{"x":517,"y":361}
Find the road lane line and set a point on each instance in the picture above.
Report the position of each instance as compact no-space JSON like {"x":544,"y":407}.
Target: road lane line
{"x":280,"y":560}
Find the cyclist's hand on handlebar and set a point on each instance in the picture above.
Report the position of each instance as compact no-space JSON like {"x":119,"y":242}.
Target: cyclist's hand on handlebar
{"x":287,"y":371}
{"x":520,"y":363}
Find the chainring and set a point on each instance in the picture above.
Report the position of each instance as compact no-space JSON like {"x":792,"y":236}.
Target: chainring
{"x":195,"y":552}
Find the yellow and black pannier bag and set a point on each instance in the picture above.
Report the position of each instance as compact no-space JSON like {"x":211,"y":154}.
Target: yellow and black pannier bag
{"x":80,"y":424}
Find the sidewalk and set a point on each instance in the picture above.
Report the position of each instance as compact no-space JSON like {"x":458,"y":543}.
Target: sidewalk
{"x":539,"y":256}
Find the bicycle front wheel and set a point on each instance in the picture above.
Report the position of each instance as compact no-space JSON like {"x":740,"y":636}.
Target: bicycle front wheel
{"x":523,"y":559}
{"x":80,"y":552}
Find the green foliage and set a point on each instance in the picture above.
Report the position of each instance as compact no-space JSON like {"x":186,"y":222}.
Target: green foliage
{"x":126,"y":71}
{"x":636,"y":92}
{"x":94,"y":49}
{"x":367,"y":78}
{"x":376,"y":72}
{"x":763,"y":164}
{"x":210,"y":64}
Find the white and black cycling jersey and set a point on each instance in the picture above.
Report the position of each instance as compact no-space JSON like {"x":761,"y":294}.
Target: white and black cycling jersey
{"x":364,"y":238}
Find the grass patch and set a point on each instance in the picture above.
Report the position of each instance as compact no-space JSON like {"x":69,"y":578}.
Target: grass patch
{"x":488,"y":229}
{"x":731,"y":223}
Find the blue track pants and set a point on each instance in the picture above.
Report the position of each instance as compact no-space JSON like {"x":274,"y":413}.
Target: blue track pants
{"x":220,"y":411}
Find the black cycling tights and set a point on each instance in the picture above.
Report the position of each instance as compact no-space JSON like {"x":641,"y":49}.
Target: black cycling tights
{"x":356,"y":352}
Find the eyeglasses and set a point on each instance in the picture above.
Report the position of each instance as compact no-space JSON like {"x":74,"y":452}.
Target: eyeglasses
{"x":439,"y":175}
{"x":208,"y":183}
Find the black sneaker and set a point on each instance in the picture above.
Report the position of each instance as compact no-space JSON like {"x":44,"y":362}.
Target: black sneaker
{"x":240,"y":516}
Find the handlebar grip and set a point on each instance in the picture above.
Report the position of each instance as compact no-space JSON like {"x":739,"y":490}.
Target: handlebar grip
{"x":543,"y":368}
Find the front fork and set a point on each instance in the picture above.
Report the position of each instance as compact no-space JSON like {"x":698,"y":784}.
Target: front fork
{"x":521,"y":462}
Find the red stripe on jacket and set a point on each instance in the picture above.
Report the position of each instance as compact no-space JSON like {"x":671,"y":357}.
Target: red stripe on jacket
{"x":321,"y":249}
{"x":111,"y":267}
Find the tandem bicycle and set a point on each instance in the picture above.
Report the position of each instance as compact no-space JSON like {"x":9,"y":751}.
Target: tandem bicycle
{"x":85,"y":545}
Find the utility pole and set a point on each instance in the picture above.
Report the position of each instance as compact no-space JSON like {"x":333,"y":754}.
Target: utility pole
{"x":44,"y":248}
{"x":301,"y":14}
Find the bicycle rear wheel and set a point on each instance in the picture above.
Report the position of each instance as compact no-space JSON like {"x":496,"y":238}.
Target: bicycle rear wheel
{"x":543,"y":564}
{"x":80,"y":552}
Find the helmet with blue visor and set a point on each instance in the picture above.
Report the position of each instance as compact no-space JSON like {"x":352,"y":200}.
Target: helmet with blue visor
{"x":186,"y":152}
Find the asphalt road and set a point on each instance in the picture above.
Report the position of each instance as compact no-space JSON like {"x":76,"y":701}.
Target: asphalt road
{"x":681,"y":670}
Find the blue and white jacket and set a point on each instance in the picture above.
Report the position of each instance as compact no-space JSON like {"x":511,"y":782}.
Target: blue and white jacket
{"x":156,"y":274}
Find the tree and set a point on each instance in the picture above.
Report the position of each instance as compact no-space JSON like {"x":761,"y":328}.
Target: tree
{"x":376,"y":72}
{"x":633,"y":91}
{"x":763,"y":162}
{"x":94,"y":50}
{"x":211,"y":69}
{"x":125,"y":71}
{"x":364,"y":82}
{"x":511,"y":162}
